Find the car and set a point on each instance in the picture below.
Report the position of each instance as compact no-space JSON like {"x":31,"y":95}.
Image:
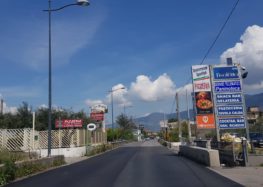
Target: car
{"x":256,"y":138}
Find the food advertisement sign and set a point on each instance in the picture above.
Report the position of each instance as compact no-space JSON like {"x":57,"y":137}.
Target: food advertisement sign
{"x":229,"y":98}
{"x":67,"y":123}
{"x":202,"y":85}
{"x":232,"y":123}
{"x":204,"y":104}
{"x":229,"y":72}
{"x":203,"y":97}
{"x":97,"y":116}
{"x":205,"y":121}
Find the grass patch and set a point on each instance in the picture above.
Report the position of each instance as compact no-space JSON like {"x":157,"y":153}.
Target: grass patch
{"x":11,"y":171}
{"x":13,"y":156}
{"x":99,"y":149}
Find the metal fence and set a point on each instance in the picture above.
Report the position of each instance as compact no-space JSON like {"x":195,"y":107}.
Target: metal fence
{"x":29,"y":140}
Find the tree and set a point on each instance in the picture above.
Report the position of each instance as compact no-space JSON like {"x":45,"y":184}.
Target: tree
{"x":24,"y":116}
{"x":126,"y":126}
{"x":125,"y":123}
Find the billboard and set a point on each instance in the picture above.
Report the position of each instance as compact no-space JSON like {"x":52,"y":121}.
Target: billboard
{"x":97,"y":116}
{"x":228,"y":97}
{"x":204,"y":103}
{"x":203,"y":96}
{"x":200,"y":72}
{"x":202,"y":85}
{"x":205,"y":121}
{"x":99,"y":108}
{"x":69,"y":123}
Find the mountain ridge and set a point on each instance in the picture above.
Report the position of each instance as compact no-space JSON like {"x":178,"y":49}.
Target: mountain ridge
{"x":152,"y":121}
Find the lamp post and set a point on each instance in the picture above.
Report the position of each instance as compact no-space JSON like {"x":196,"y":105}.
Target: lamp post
{"x":111,"y":91}
{"x":80,"y":3}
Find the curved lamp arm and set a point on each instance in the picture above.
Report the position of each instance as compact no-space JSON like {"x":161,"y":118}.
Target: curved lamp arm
{"x":72,"y":4}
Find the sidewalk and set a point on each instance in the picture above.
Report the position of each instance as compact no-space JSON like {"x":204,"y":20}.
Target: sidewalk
{"x":247,"y":176}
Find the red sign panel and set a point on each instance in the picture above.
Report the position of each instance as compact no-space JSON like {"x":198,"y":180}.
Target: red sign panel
{"x":66,"y":123}
{"x":205,"y":121}
{"x":97,"y":116}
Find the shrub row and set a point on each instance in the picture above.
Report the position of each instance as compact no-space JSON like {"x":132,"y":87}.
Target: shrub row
{"x":10,"y":170}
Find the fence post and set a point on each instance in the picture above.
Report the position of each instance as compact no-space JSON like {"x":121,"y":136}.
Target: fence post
{"x":78,"y":138}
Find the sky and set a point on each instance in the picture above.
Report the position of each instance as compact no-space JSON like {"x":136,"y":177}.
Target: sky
{"x":146,"y":47}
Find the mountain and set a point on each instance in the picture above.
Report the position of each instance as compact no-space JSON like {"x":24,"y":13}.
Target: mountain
{"x":152,"y":121}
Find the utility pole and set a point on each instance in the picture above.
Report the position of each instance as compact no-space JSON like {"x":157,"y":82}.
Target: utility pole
{"x":188,"y":117}
{"x":178,"y":116}
{"x":2,"y":107}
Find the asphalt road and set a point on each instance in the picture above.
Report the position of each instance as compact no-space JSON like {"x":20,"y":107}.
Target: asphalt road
{"x":142,"y":164}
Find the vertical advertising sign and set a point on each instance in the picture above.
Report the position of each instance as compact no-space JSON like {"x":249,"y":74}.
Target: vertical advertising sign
{"x":203,"y":97}
{"x":227,"y":89}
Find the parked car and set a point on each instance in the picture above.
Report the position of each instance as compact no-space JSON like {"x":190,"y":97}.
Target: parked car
{"x":256,"y":138}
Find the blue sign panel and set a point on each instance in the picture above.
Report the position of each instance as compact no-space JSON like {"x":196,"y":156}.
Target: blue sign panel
{"x":233,"y":110}
{"x":231,"y":123}
{"x":229,"y":86}
{"x":231,"y":98}
{"x":230,"y":72}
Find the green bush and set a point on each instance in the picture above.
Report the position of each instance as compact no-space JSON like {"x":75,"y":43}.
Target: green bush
{"x":7,"y":173}
{"x":10,"y":171}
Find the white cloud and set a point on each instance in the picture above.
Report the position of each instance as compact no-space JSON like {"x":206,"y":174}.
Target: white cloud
{"x":188,"y":88}
{"x":249,"y":53}
{"x":9,"y":109}
{"x":119,"y":95}
{"x":148,"y":90}
{"x":91,"y":103}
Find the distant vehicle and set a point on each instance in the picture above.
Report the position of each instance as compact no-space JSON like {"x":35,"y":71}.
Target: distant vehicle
{"x":256,"y":138}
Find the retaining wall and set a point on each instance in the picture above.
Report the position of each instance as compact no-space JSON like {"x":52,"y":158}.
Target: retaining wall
{"x":208,"y":157}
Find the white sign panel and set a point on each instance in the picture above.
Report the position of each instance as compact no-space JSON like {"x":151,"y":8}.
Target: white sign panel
{"x":200,"y":72}
{"x":202,"y":85}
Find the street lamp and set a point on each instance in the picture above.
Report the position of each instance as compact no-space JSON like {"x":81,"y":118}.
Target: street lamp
{"x":111,"y":91}
{"x":80,"y":3}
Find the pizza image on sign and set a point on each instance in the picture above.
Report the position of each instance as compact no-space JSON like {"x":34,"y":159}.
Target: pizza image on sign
{"x":204,"y":104}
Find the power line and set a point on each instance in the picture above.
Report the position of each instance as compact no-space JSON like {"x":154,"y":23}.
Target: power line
{"x":220,"y":31}
{"x":214,"y":42}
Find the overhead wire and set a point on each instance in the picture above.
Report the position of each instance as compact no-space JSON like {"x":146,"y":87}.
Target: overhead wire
{"x":213,"y":43}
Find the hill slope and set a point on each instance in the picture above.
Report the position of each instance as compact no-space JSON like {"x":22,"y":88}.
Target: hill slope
{"x":152,"y":121}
